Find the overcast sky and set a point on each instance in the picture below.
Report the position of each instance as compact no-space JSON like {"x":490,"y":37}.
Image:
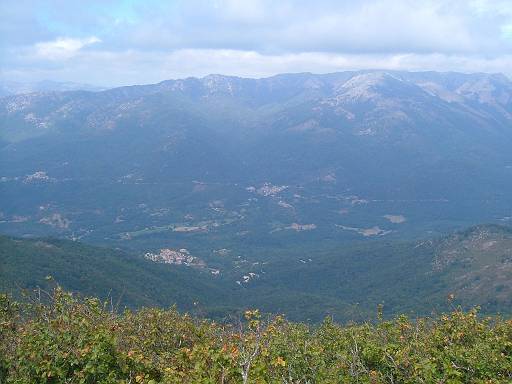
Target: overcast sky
{"x":117,"y":42}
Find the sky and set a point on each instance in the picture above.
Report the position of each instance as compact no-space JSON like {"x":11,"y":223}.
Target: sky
{"x":122,"y":42}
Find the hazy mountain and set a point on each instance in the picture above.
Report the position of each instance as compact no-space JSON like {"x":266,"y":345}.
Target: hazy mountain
{"x":16,"y":87}
{"x":265,"y":168}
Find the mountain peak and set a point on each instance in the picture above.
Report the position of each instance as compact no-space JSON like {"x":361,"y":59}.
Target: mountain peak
{"x":365,"y":86}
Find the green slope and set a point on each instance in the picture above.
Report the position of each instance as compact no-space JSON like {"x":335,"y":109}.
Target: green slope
{"x":101,"y":272}
{"x":349,"y":283}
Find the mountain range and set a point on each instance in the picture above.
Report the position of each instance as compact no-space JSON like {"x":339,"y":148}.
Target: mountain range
{"x":243,"y":172}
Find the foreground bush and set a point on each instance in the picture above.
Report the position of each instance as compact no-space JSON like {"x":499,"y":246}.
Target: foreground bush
{"x":67,"y":340}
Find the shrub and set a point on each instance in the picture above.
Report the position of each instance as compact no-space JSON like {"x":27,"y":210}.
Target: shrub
{"x":65,"y":339}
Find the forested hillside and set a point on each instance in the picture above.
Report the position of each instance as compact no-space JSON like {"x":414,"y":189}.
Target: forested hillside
{"x":348,"y":283}
{"x":124,"y":278}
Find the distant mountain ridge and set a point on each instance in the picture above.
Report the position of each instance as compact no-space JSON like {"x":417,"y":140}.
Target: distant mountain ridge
{"x":475,"y":93}
{"x":16,"y":87}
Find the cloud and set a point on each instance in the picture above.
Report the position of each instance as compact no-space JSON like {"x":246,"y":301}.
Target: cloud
{"x":151,"y":40}
{"x":493,"y":7}
{"x":62,"y":48}
{"x":138,"y":67}
{"x":366,"y":26}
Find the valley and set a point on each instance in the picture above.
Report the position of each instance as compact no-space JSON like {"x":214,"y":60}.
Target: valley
{"x":280,"y":191}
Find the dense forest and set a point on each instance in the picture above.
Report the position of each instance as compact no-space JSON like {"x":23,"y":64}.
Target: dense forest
{"x":57,"y":337}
